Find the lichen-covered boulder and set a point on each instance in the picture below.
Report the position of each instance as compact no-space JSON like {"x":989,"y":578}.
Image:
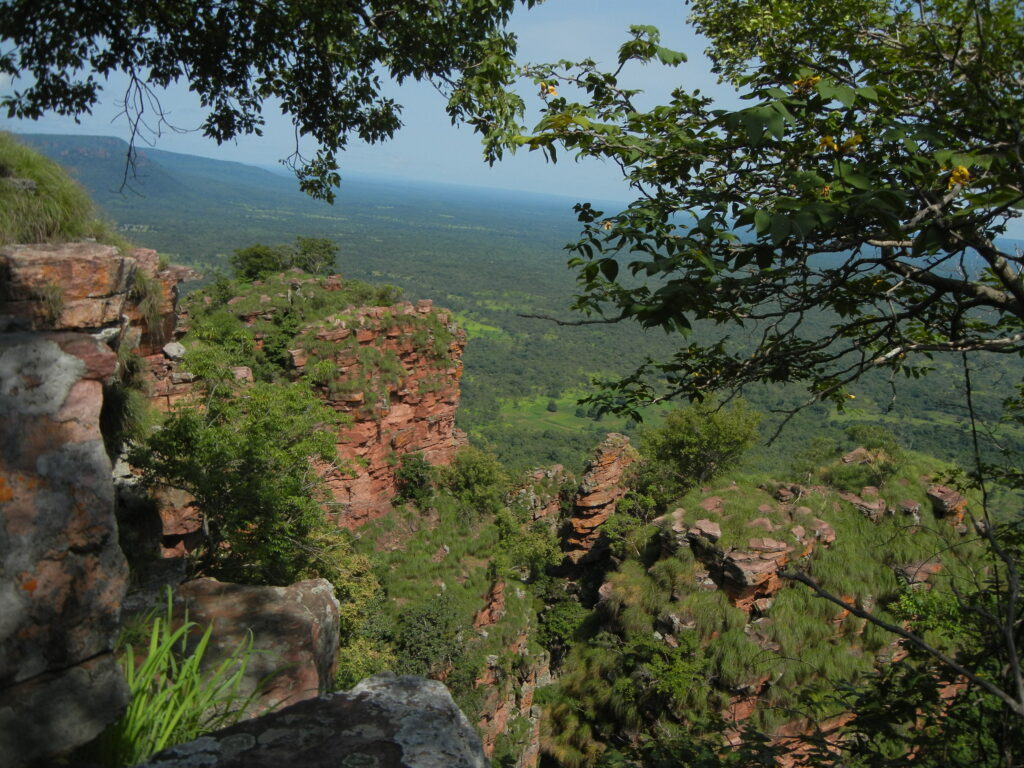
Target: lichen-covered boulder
{"x":384,"y":722}
{"x":62,"y":574}
{"x":294,"y":634}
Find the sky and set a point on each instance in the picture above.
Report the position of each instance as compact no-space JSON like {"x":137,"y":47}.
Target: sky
{"x":428,"y":147}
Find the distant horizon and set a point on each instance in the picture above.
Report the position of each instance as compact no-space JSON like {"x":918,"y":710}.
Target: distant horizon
{"x":281,"y":171}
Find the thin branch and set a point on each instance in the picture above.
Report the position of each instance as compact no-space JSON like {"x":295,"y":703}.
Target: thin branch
{"x":1017,"y":707}
{"x":557,"y":321}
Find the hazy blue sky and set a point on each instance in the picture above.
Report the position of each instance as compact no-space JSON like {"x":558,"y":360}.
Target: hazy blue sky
{"x":429,"y":147}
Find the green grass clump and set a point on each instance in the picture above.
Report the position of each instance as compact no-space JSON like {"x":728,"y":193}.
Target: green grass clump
{"x":58,"y":210}
{"x":173,"y":698}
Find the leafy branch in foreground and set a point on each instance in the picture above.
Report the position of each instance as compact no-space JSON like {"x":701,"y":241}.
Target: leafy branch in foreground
{"x":323,"y":64}
{"x":867,"y":182}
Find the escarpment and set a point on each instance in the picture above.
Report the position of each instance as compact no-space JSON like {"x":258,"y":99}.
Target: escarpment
{"x":392,"y":369}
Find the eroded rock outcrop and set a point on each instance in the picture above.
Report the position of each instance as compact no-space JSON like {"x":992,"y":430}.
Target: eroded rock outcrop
{"x":385,"y":722}
{"x":508,"y":696}
{"x":599,"y":493}
{"x":397,"y":372}
{"x":294,"y":634}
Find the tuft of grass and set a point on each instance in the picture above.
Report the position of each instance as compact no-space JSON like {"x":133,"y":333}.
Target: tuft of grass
{"x":52,"y":297}
{"x":173,"y":700}
{"x":58,"y":210}
{"x":147,"y":293}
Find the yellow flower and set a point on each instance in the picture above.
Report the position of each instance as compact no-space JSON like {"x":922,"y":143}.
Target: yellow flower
{"x":959,"y":176}
{"x":851,"y":397}
{"x":826,"y":190}
{"x":606,"y":225}
{"x":806,"y":83}
{"x":850,"y":144}
{"x":827,"y":142}
{"x":548,"y":89}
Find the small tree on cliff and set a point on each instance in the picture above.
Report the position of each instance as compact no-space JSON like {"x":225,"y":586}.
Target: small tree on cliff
{"x":694,"y":445}
{"x":323,"y":64}
{"x":244,"y":452}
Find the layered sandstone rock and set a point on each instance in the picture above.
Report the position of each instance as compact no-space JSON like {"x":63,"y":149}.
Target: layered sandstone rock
{"x":510,"y":696}
{"x":294,"y":633}
{"x":599,"y":493}
{"x":385,"y":721}
{"x":62,"y":574}
{"x":408,"y":408}
{"x":395,"y":370}
{"x":82,"y":286}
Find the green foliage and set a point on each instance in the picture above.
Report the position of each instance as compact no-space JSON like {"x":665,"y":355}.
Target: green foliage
{"x":329,"y":81}
{"x":414,"y":479}
{"x":826,"y":191}
{"x":694,"y":445}
{"x":477,"y":481}
{"x":429,"y":638}
{"x":147,"y":293}
{"x":312,"y":255}
{"x":57,"y":210}
{"x":524,"y":551}
{"x":257,"y":261}
{"x":361,"y":658}
{"x":174,"y":698}
{"x":126,"y":416}
{"x":246,"y":457}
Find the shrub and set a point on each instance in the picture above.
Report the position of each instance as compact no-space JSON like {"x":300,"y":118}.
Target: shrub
{"x":414,"y":479}
{"x":476,"y":480}
{"x":428,"y":638}
{"x":694,"y":445}
{"x":246,"y":458}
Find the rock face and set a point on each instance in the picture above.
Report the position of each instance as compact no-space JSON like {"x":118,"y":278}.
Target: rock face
{"x":599,"y":493}
{"x":405,"y":405}
{"x":68,"y":286}
{"x":385,"y":722}
{"x":395,"y":370}
{"x":947,"y":503}
{"x":294,"y":634}
{"x":62,"y":575}
{"x":510,"y":696}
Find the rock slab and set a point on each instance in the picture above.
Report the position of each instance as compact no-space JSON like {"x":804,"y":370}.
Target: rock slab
{"x":294,"y":634}
{"x":62,"y":574}
{"x":384,"y":722}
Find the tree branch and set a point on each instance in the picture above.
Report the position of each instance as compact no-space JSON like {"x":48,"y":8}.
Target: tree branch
{"x":1017,"y":707}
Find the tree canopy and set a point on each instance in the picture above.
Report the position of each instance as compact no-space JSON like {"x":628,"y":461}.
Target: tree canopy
{"x":867,"y":182}
{"x":324,"y":64}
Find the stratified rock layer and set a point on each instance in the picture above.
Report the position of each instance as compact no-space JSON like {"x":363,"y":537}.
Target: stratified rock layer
{"x":412,"y":411}
{"x":395,"y":371}
{"x":384,"y":722}
{"x":599,"y":493}
{"x":62,"y":575}
{"x":294,"y":633}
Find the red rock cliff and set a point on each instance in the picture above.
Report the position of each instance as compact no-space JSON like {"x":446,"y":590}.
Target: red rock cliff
{"x":394,"y":370}
{"x":397,"y":372}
